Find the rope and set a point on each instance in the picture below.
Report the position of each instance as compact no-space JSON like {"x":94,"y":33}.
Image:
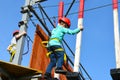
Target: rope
{"x":28,"y":40}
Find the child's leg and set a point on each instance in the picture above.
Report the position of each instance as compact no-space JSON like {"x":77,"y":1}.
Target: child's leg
{"x":52,"y":63}
{"x":60,"y":59}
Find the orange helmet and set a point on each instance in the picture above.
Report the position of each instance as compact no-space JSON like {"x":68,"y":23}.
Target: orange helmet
{"x":66,"y":20}
{"x":15,"y":32}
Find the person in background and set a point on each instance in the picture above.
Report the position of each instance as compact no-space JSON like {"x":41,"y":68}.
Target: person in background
{"x":54,"y":46}
{"x":12,"y":47}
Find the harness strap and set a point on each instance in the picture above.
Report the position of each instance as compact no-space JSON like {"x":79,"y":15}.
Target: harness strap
{"x":59,"y":49}
{"x":11,"y":46}
{"x":11,"y":51}
{"x":48,"y":54}
{"x":12,"y":55}
{"x":55,"y":39}
{"x":44,"y":43}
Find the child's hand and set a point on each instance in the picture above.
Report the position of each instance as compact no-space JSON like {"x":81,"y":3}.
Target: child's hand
{"x":24,"y":33}
{"x":8,"y":48}
{"x":81,"y":27}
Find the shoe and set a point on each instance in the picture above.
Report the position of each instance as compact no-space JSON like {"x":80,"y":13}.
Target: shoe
{"x":47,"y":76}
{"x":60,"y":70}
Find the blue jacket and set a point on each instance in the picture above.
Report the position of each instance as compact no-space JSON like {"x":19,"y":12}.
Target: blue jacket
{"x":58,"y":34}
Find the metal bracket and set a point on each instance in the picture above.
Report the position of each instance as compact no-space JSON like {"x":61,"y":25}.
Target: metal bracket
{"x":24,"y":9}
{"x":22,"y":23}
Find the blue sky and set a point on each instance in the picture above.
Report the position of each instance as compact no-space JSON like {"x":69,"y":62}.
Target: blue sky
{"x":97,"y":49}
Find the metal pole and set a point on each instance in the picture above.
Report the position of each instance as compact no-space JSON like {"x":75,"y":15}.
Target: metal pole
{"x":116,"y":32}
{"x":20,"y":44}
{"x":115,"y":73}
{"x":79,"y":37}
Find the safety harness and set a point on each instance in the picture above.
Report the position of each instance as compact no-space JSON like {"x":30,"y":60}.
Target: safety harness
{"x":44,"y":43}
{"x":12,"y":51}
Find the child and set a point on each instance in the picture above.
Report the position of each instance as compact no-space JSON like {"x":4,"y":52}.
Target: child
{"x":12,"y":47}
{"x":54,"y":45}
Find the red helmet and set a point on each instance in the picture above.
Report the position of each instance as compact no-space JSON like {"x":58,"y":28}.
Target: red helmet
{"x":15,"y":32}
{"x":66,"y":20}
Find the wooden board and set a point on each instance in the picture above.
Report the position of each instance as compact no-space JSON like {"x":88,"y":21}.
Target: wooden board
{"x":17,"y":70}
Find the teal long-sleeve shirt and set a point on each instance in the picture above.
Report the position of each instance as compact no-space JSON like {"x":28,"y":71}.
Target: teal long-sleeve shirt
{"x":58,"y":34}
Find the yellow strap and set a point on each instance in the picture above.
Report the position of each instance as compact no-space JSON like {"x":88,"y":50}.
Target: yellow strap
{"x":65,"y":57}
{"x":48,"y":54}
{"x":44,"y":43}
{"x":59,"y":49}
{"x":12,"y":55}
{"x":11,"y":46}
{"x":12,"y":52}
{"x":55,"y":39}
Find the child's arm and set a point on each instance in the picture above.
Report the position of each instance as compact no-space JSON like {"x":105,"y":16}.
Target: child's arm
{"x":20,"y":34}
{"x":80,"y":28}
